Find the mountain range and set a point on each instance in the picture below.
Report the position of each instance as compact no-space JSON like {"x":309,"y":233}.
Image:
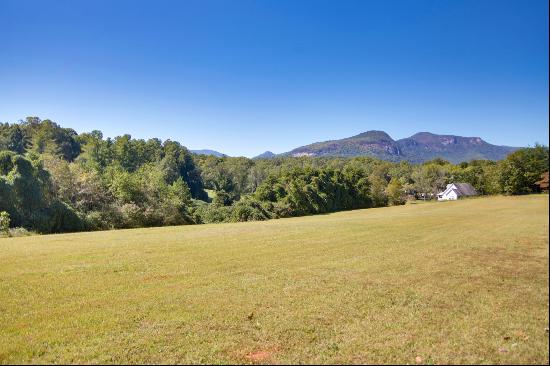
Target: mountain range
{"x":208,"y":152}
{"x":418,"y":148}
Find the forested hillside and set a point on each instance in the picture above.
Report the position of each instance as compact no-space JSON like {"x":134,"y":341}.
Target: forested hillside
{"x":53,"y":179}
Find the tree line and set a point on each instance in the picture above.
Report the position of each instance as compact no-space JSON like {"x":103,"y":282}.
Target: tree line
{"x":53,"y":179}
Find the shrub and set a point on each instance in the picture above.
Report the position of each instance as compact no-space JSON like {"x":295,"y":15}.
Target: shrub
{"x":4,"y":223}
{"x":249,"y":210}
{"x":212,"y":213}
{"x":20,"y":231}
{"x":109,"y":218}
{"x":132,"y":215}
{"x":57,"y":218}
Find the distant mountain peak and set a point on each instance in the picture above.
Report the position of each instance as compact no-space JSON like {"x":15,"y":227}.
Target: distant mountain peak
{"x":373,"y":135}
{"x":265,"y":155}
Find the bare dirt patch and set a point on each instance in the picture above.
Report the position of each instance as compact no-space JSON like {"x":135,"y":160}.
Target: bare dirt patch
{"x":259,"y":356}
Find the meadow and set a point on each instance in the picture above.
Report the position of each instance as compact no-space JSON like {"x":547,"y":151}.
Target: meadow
{"x":433,"y":283}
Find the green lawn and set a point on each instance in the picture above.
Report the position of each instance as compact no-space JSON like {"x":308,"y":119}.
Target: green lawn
{"x":452,"y":282}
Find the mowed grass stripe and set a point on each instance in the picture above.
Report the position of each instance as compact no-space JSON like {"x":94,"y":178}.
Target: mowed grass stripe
{"x":453,"y":282}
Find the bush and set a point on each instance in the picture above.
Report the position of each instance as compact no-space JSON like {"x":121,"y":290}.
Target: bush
{"x":132,"y":215}
{"x":110,"y":218}
{"x":4,"y":223}
{"x":20,"y":231}
{"x":57,"y":218}
{"x":249,"y":210}
{"x":211,"y":213}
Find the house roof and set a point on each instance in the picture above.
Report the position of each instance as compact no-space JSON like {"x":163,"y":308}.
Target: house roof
{"x":461,"y":189}
{"x":465,"y":189}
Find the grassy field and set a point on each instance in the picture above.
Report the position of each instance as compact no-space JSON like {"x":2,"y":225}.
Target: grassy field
{"x":453,"y":282}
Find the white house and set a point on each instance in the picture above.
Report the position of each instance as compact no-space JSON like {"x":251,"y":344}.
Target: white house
{"x":456,"y":190}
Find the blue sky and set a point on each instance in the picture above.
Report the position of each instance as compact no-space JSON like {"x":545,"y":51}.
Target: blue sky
{"x":242,"y":77}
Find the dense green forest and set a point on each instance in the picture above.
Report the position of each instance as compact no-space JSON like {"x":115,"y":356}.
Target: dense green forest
{"x":55,"y":180}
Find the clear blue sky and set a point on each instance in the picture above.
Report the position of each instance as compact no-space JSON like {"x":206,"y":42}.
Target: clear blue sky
{"x":242,"y":77}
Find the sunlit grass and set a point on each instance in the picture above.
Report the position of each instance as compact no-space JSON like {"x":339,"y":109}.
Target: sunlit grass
{"x":450,"y":282}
